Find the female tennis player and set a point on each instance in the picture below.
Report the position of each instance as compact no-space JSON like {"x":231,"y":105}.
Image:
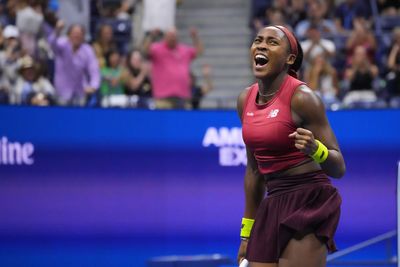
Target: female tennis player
{"x":291,"y":151}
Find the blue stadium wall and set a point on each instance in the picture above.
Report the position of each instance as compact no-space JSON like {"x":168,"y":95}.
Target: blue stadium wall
{"x":168,"y":174}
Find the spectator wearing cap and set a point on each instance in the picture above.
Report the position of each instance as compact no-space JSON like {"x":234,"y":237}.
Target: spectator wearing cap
{"x":30,"y":83}
{"x":77,"y":72}
{"x":10,"y":31}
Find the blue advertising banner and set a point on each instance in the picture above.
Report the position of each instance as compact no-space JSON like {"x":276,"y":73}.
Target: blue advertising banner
{"x":114,"y":172}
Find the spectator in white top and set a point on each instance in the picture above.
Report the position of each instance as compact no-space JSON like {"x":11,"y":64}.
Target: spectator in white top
{"x":315,"y":45}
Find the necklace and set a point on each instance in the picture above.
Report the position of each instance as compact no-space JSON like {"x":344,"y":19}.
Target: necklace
{"x":267,"y":95}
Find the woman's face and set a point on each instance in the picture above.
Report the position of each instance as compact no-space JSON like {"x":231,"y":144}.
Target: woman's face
{"x":106,"y":33}
{"x":29,"y":74}
{"x":135,"y":60}
{"x":269,"y":52}
{"x":360,"y":56}
{"x":115,"y":59}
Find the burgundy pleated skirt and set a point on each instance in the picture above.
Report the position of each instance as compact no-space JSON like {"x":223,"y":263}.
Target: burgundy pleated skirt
{"x":307,"y":202}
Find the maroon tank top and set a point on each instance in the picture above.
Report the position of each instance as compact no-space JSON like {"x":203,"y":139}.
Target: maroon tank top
{"x":266,"y":128}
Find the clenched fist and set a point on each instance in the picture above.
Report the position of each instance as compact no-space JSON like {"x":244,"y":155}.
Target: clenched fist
{"x":304,"y":141}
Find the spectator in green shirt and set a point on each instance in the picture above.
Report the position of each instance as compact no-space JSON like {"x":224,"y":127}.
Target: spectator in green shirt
{"x":111,"y":75}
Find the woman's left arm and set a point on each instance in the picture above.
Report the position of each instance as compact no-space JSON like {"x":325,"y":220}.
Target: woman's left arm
{"x":309,"y":113}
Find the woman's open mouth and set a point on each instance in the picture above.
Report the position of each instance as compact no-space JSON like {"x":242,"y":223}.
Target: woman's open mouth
{"x":260,"y":60}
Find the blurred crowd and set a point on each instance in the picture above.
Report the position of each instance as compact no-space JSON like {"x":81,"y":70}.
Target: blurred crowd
{"x":351,"y":47}
{"x":127,"y":53}
{"x":82,"y":53}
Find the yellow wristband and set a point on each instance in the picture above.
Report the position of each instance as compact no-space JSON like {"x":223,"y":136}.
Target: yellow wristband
{"x":247,"y":224}
{"x":321,"y":154}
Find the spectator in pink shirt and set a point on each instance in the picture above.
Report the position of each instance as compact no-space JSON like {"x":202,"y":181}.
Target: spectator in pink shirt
{"x":170,"y":71}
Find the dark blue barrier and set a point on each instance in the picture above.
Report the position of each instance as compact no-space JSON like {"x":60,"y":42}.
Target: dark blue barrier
{"x":215,"y":260}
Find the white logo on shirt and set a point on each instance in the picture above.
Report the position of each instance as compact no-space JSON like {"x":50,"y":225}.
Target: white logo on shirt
{"x":273,"y":113}
{"x":251,"y":114}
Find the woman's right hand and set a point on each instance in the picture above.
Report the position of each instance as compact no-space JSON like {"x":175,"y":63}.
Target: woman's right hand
{"x":59,"y":26}
{"x":145,"y":68}
{"x":396,"y":48}
{"x":242,"y":251}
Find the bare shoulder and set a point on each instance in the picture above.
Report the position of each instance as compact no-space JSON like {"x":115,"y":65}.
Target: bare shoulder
{"x":307,"y":104}
{"x":242,"y":96}
{"x":241,"y":99}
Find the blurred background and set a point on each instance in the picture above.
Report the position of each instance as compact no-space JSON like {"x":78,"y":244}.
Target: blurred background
{"x":113,"y":154}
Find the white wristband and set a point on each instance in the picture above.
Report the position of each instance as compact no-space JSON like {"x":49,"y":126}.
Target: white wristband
{"x":244,"y":263}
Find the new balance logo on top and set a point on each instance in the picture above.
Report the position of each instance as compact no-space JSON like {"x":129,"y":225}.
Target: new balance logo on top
{"x":273,"y":113}
{"x":251,"y":114}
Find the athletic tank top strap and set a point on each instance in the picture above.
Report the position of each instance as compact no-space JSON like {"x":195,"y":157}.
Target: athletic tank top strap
{"x":288,"y":88}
